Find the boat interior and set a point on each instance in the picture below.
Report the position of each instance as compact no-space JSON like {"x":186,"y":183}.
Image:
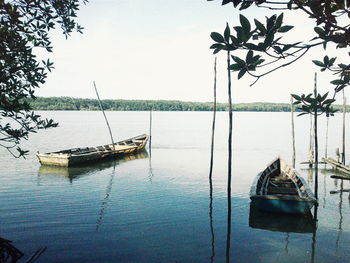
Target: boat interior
{"x":103,"y":148}
{"x":279,"y":179}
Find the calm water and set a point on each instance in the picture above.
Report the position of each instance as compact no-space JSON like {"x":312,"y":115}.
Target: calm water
{"x":156,"y":207}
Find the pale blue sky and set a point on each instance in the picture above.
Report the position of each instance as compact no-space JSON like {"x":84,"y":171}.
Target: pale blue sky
{"x":156,"y":49}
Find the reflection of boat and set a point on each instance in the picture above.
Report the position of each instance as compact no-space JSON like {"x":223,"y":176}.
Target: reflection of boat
{"x":294,"y":223}
{"x":77,"y":156}
{"x":279,"y":189}
{"x":75,"y":172}
{"x":8,"y":252}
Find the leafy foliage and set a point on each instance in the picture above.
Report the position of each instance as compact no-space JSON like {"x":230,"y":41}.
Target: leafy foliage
{"x":316,"y":105}
{"x":76,"y":104}
{"x":24,"y":27}
{"x":265,"y":38}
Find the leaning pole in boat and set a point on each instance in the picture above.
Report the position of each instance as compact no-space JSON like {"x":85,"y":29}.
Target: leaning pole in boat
{"x":109,"y":128}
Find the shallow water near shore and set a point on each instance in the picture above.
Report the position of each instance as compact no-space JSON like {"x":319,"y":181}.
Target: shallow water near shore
{"x":155,"y":206}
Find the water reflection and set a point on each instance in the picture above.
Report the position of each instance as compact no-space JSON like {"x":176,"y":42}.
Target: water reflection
{"x":104,"y":203}
{"x":73,"y":173}
{"x":10,"y":254}
{"x":281,"y":222}
{"x":286,"y":223}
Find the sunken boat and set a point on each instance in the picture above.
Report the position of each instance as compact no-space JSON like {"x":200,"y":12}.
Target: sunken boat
{"x":279,"y":188}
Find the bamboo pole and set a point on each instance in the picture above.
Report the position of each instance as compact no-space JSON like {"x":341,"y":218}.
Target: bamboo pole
{"x":344,"y":114}
{"x":150,"y":132}
{"x":109,"y":128}
{"x":293,"y":132}
{"x":326,"y":150}
{"x":311,"y":150}
{"x":316,"y":142}
{"x":228,"y":236}
{"x":213,"y":129}
{"x":211,"y":172}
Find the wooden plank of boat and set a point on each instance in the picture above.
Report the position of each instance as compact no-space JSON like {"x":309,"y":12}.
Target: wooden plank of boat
{"x":77,"y":156}
{"x":337,"y":165}
{"x":280,"y":189}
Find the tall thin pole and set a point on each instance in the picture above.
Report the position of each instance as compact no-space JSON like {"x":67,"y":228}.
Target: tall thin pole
{"x":293,"y":133}
{"x":228,"y":237}
{"x":344,"y":114}
{"x":326,"y":151}
{"x":311,"y":150}
{"x":150,"y":131}
{"x":109,"y":128}
{"x":213,"y":129}
{"x":211,"y":173}
{"x":316,"y":142}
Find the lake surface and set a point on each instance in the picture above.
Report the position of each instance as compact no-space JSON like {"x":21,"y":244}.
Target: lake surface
{"x":156,"y":207}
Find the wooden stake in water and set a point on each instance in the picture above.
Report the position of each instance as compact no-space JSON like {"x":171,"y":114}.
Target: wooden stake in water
{"x":109,"y":128}
{"x":316,"y":142}
{"x":211,"y":173}
{"x":150,"y":131}
{"x":293,"y":133}
{"x":311,"y":144}
{"x":344,"y":114}
{"x":326,"y":151}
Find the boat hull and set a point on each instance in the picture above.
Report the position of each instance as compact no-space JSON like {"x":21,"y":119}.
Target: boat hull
{"x":75,"y":157}
{"x":277,"y":205}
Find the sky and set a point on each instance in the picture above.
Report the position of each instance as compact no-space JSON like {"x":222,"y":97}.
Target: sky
{"x":159,"y":50}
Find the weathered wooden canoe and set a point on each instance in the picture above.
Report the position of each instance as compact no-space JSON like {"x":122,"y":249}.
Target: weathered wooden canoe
{"x":280,"y":189}
{"x":76,"y":156}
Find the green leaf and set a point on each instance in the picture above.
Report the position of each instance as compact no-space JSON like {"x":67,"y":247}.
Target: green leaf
{"x":234,"y":67}
{"x":279,"y":21}
{"x":241,"y":73}
{"x":329,"y":101}
{"x":217,"y":51}
{"x":269,"y":39}
{"x":286,"y":48}
{"x":260,"y":27}
{"x":337,"y":82}
{"x":303,"y":113}
{"x":245,"y":23}
{"x":270,"y":23}
{"x":239,"y":61}
{"x":296,"y":97}
{"x":227,"y":33}
{"x":215,"y":46}
{"x":319,"y":31}
{"x":331,"y":62}
{"x":249,"y":57}
{"x":217,"y":37}
{"x":285,"y":29}
{"x":318,"y":63}
{"x":326,"y":60}
{"x":252,"y":47}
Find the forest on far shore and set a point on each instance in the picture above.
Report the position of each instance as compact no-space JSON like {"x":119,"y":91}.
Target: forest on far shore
{"x":68,"y":103}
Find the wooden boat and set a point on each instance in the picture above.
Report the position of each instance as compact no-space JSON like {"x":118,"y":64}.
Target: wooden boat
{"x":280,"y":189}
{"x":76,"y":156}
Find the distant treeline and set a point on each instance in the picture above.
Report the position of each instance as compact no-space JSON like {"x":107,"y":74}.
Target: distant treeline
{"x":67,"y":103}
